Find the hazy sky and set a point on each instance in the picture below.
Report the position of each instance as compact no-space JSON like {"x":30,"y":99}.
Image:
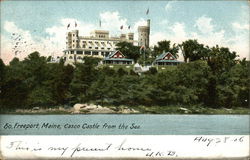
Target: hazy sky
{"x":42,"y":25}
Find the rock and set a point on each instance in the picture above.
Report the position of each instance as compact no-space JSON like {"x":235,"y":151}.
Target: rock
{"x":35,"y":108}
{"x":102,"y":110}
{"x":134,"y":111}
{"x":79,"y":106}
{"x":184,"y":109}
{"x":91,"y":107}
{"x":75,"y":112}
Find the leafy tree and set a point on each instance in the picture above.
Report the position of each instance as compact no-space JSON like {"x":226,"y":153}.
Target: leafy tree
{"x":192,"y":50}
{"x":60,"y":82}
{"x":129,"y":50}
{"x":40,"y":96}
{"x":14,"y":90}
{"x":121,"y":72}
{"x":2,"y":73}
{"x":164,"y":46}
{"x":234,"y":91}
{"x":221,"y":59}
{"x":84,"y":76}
{"x":195,"y":76}
{"x":152,"y":70}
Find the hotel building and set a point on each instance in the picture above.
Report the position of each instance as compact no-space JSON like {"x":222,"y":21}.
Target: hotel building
{"x":99,"y":44}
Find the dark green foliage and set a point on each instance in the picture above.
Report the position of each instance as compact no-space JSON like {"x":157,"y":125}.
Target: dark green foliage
{"x":129,"y":50}
{"x":121,"y":72}
{"x":164,"y":46}
{"x":85,"y":74}
{"x":152,"y":70}
{"x":34,"y":82}
{"x":2,"y":73}
{"x":192,"y":50}
{"x":213,"y":77}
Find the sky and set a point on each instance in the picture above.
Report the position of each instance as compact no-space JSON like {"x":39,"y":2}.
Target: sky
{"x":28,"y":26}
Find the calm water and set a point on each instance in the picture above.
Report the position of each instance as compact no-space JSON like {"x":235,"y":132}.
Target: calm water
{"x":149,"y":124}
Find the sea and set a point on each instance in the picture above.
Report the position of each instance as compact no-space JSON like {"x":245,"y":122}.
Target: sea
{"x":124,"y":124}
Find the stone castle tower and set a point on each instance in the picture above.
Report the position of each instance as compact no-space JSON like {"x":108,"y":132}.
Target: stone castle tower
{"x":143,"y":35}
{"x":72,"y":39}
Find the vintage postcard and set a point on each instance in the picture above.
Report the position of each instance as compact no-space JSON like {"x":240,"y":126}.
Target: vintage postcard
{"x":124,"y":79}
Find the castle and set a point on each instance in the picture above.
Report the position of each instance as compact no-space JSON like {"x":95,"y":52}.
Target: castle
{"x":100,"y":44}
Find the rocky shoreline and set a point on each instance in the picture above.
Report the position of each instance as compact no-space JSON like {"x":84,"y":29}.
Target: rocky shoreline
{"x":80,"y":109}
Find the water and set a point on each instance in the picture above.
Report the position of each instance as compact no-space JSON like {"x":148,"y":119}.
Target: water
{"x":149,"y":124}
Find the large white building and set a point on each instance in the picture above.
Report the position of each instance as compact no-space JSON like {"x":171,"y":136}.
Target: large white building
{"x":99,"y":44}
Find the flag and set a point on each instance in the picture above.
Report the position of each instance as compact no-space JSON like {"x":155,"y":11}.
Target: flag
{"x":68,"y":26}
{"x":147,"y":11}
{"x":121,"y":27}
{"x":75,"y":24}
{"x":128,"y":27}
{"x":100,"y":23}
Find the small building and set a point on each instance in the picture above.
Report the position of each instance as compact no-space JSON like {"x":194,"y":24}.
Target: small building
{"x":117,"y":57}
{"x":166,"y":59}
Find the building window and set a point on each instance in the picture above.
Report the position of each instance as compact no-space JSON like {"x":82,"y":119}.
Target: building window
{"x":79,"y":52}
{"x":96,"y":47}
{"x":84,"y":46}
{"x":87,"y":53}
{"x":95,"y":53}
{"x":73,"y":35}
{"x":106,"y":54}
{"x":70,"y":57}
{"x":90,"y":47}
{"x":108,"y":48}
{"x":73,"y":40}
{"x":102,"y":48}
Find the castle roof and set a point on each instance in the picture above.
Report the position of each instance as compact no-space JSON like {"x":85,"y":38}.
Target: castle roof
{"x":117,"y":56}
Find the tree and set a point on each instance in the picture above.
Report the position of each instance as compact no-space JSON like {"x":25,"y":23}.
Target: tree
{"x":2,"y":73}
{"x":234,"y":91}
{"x":129,"y":50}
{"x":192,"y":50}
{"x":85,"y":74}
{"x":195,"y":76}
{"x":14,"y":89}
{"x":121,"y":72}
{"x":59,"y":82}
{"x":164,"y":46}
{"x":221,"y":59}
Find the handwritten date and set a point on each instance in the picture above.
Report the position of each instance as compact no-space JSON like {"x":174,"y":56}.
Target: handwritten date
{"x":218,"y":140}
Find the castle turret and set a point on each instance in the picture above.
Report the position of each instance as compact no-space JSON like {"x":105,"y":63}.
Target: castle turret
{"x":130,"y":36}
{"x":143,"y":35}
{"x":75,"y":39}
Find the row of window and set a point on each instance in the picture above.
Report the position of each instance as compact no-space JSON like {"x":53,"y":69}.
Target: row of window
{"x":97,"y":48}
{"x":89,"y":53}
